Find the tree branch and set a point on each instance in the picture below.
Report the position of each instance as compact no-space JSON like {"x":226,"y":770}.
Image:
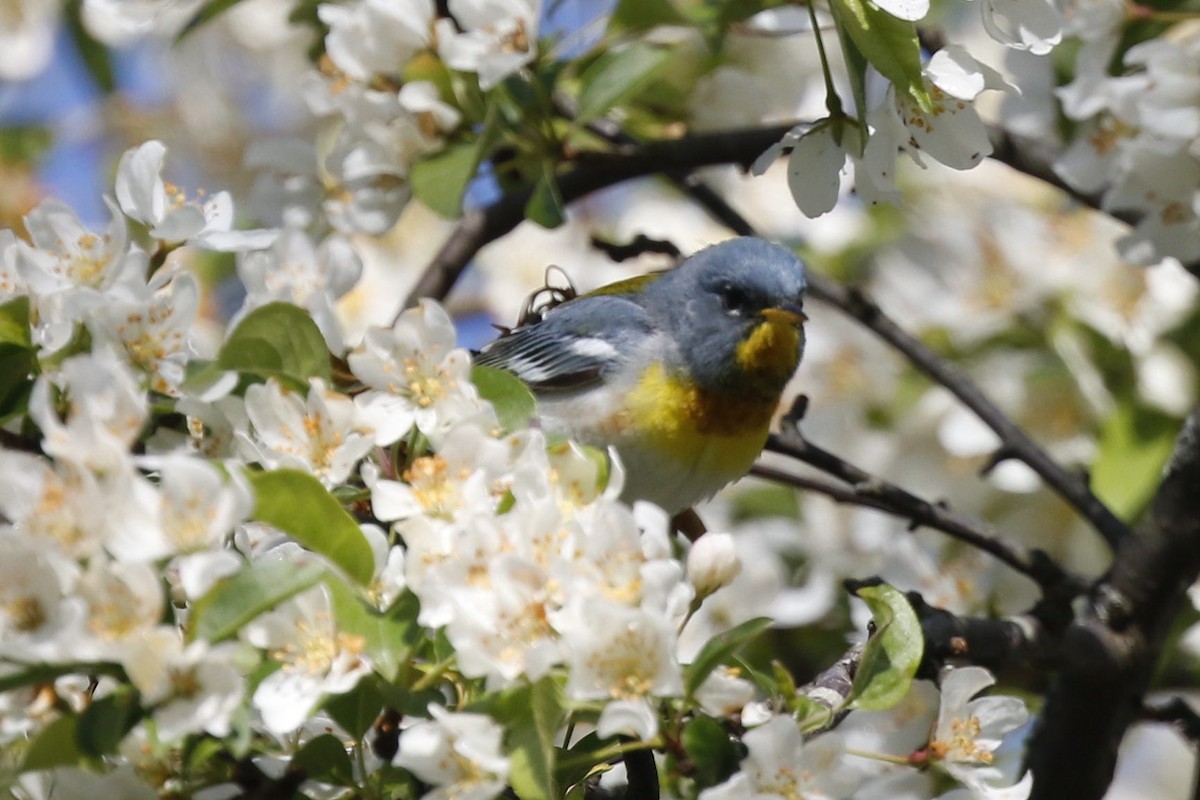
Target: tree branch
{"x":1000,"y":645}
{"x":1177,"y":713}
{"x":1071,"y":487}
{"x":592,"y":171}
{"x":1035,"y":160}
{"x":875,"y":492}
{"x":1110,"y":653}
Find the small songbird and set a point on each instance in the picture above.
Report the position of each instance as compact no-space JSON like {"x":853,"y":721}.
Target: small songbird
{"x":679,"y":371}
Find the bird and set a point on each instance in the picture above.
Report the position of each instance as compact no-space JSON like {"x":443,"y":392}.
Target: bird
{"x":680,"y":371}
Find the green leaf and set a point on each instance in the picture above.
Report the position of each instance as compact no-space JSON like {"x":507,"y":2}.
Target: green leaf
{"x":388,"y":637}
{"x":200,"y":755}
{"x":809,"y":714}
{"x":710,"y":749}
{"x":642,"y":15}
{"x":200,"y":376}
{"x":278,"y":340}
{"x":616,"y":76}
{"x":105,"y":722}
{"x":297,"y":503}
{"x":856,"y":72}
{"x":54,"y":747}
{"x":95,"y":56}
{"x":235,"y":601}
{"x":574,"y":765}
{"x":532,"y":742}
{"x":892,"y":654}
{"x":440,"y":180}
{"x":1133,"y":449}
{"x":16,"y":381}
{"x":14,"y":323}
{"x":325,"y":759}
{"x":24,"y":145}
{"x":888,"y":43}
{"x":531,"y":716}
{"x":719,"y":649}
{"x":357,"y":709}
{"x":508,"y":394}
{"x":17,"y":358}
{"x":545,"y":206}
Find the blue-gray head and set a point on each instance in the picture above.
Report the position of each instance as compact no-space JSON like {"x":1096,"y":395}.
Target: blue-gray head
{"x":736,"y":310}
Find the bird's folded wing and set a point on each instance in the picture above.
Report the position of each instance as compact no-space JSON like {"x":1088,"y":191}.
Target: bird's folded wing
{"x":575,"y":345}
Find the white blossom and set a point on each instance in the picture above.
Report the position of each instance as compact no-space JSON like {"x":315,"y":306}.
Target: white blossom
{"x":106,"y":409}
{"x":623,"y":656}
{"x":458,"y":753}
{"x":69,"y":270}
{"x":118,"y":23}
{"x":712,"y":562}
{"x":27,"y":37}
{"x":969,"y":732}
{"x":320,"y":432}
{"x":780,"y":764}
{"x":168,"y":212}
{"x":315,"y":658}
{"x":376,"y":36}
{"x":194,"y":687}
{"x":297,"y":271}
{"x":417,"y":376}
{"x":499,"y":37}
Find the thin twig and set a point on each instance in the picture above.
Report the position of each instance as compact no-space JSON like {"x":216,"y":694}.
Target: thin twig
{"x":875,"y":492}
{"x":592,"y":171}
{"x":1070,"y":486}
{"x":830,"y":688}
{"x":639,"y":245}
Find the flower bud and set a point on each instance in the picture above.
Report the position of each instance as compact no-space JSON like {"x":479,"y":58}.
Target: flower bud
{"x":713,"y":562}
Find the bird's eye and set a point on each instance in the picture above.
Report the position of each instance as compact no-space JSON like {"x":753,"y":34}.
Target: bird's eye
{"x":734,"y":300}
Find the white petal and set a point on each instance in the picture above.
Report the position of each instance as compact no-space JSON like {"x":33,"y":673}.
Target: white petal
{"x":139,"y":184}
{"x":629,"y":717}
{"x":814,"y":171}
{"x":911,"y":10}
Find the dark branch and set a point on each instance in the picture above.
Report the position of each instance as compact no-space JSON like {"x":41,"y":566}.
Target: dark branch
{"x":1111,"y":652}
{"x":1000,"y":645}
{"x":639,"y":245}
{"x":1176,"y":713}
{"x":1016,"y":443}
{"x":1033,"y":159}
{"x":642,"y":774}
{"x":872,"y":491}
{"x":592,"y":171}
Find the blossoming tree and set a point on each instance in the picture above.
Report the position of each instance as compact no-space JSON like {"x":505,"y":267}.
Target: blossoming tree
{"x":293,"y":544}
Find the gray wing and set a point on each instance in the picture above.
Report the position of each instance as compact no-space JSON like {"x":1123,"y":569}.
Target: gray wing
{"x":573,"y":346}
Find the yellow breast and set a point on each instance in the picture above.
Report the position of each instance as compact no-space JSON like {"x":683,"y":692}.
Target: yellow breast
{"x":662,"y":406}
{"x":680,"y":444}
